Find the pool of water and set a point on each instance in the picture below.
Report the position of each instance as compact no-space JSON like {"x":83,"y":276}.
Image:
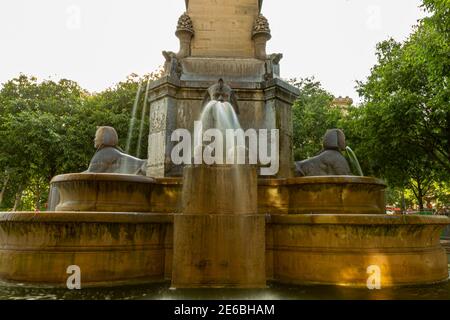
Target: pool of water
{"x":274,"y":291}
{"x":439,"y":291}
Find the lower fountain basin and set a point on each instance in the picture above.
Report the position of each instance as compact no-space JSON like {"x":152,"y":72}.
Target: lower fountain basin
{"x":132,"y":248}
{"x":339,"y":249}
{"x":110,"y":248}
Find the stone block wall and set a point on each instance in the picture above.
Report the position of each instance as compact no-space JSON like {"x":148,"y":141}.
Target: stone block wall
{"x":225,"y":30}
{"x":176,"y":104}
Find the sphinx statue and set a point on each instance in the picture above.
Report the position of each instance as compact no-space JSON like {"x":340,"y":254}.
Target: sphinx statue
{"x":330,"y":161}
{"x":109,"y":158}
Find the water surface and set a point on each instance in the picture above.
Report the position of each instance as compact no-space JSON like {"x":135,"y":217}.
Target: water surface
{"x":439,"y":291}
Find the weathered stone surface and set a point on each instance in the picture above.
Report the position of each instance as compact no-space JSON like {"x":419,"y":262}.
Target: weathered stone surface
{"x":177,"y":104}
{"x":185,"y":23}
{"x":338,"y":249}
{"x":185,"y":32}
{"x":230,"y":69}
{"x":223,"y":30}
{"x":326,"y":195}
{"x":260,"y":35}
{"x":332,"y":195}
{"x":110,"y":248}
{"x":103,"y":192}
{"x":219,"y":251}
{"x":223,"y":47}
{"x":124,"y":248}
{"x":162,"y":124}
{"x":219,"y":239}
{"x":219,"y":189}
{"x":120,"y":193}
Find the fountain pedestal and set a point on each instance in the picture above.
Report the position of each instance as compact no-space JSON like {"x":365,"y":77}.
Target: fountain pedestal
{"x":219,"y":239}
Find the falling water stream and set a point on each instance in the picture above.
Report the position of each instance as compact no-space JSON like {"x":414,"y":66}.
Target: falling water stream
{"x":133,"y":119}
{"x":216,"y":115}
{"x":144,"y":113}
{"x":219,"y":115}
{"x":354,"y":161}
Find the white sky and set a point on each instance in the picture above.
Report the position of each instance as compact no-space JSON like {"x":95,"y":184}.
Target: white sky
{"x":99,"y":42}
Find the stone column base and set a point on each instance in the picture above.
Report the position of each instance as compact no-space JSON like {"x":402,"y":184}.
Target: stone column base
{"x":219,"y":251}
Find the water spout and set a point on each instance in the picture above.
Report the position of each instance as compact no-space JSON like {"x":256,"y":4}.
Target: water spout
{"x":220,"y":116}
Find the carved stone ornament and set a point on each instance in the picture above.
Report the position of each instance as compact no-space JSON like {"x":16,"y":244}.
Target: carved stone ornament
{"x":185,"y":32}
{"x":261,"y":34}
{"x":261,"y":25}
{"x":185,"y":23}
{"x":273,"y":66}
{"x":172,"y":66}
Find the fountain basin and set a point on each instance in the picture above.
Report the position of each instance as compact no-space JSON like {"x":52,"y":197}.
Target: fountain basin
{"x":103,"y":192}
{"x":131,"y":248}
{"x":318,"y":230}
{"x":322,"y":195}
{"x":306,"y":195}
{"x":337,"y":249}
{"x":336,"y":195}
{"x":110,"y":248}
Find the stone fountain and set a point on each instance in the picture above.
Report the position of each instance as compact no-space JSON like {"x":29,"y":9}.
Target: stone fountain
{"x":128,"y":220}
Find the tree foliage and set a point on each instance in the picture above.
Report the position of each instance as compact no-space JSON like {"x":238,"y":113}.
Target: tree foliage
{"x":401,"y":131}
{"x":312,"y":116}
{"x":404,"y":122}
{"x":47,"y":128}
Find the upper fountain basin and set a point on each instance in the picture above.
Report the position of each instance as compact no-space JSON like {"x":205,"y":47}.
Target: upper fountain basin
{"x":305,"y":195}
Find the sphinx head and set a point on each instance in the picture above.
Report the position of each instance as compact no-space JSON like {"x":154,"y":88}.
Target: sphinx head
{"x":106,"y":137}
{"x":334,"y":140}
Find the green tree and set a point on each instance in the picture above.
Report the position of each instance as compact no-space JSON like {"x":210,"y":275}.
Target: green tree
{"x":404,"y":122}
{"x":47,"y":128}
{"x":312,"y":116}
{"x":31,"y":133}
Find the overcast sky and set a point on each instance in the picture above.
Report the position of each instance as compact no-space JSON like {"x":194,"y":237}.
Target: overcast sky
{"x":99,"y":42}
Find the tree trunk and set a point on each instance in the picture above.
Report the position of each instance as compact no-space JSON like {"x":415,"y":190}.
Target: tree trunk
{"x":420,"y":196}
{"x":448,"y":137}
{"x":2,"y":192}
{"x":418,"y":190}
{"x":18,"y":199}
{"x":38,"y":198}
{"x":403,"y":201}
